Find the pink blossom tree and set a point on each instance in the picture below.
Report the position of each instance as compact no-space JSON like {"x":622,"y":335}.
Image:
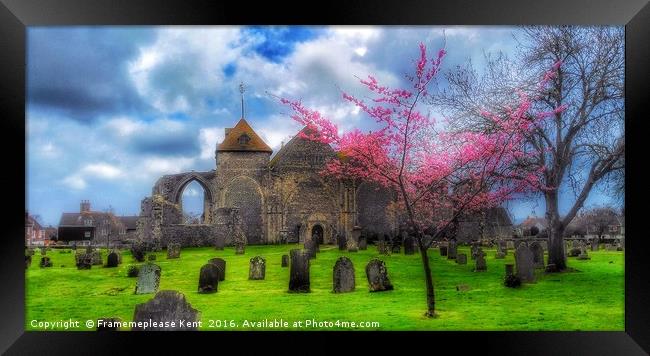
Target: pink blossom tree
{"x":438,"y":175}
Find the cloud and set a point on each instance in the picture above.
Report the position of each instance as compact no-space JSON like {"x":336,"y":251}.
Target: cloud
{"x":209,"y":137}
{"x":103,"y":171}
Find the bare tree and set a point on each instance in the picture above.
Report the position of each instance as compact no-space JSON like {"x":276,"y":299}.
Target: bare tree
{"x":578,"y":148}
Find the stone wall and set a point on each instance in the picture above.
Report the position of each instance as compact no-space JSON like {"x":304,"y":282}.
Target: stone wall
{"x":188,"y":235}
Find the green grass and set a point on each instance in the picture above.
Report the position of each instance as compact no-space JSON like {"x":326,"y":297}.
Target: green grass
{"x":591,"y":298}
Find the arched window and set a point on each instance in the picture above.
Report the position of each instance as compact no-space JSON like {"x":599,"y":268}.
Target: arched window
{"x":193,"y":203}
{"x":244,"y":139}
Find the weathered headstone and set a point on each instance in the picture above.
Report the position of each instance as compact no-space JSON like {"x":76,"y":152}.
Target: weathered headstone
{"x":538,"y":254}
{"x":209,"y":278}
{"x":395,"y":249}
{"x":45,"y":262}
{"x":239,"y":240}
{"x":96,"y":257}
{"x":377,"y":275}
{"x":382,"y":247}
{"x":299,"y":271}
{"x":583,"y":253}
{"x":474,"y":249}
{"x":524,"y":263}
{"x":173,"y":250}
{"x":221,"y":265}
{"x":112,"y":260}
{"x":363,"y":243}
{"x":83,"y":260}
{"x":510,"y":269}
{"x":285,"y":260}
{"x":310,"y":248}
{"x":219,"y":242}
{"x":443,"y":250}
{"x":257,"y":268}
{"x":452,"y":250}
{"x":148,"y":279}
{"x":409,"y":245}
{"x":461,"y":259}
{"x":481,"y":264}
{"x":340,"y":240}
{"x":343,"y":278}
{"x":594,"y":245}
{"x":169,"y":309}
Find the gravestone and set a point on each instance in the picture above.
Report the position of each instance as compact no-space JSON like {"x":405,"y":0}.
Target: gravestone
{"x":310,"y":249}
{"x":363,"y":243}
{"x":481,"y":264}
{"x":461,"y":259}
{"x":382,"y":247}
{"x":443,"y":250}
{"x":138,"y":252}
{"x":220,"y":242}
{"x":594,"y":245}
{"x":132,"y":271}
{"x":524,"y":263}
{"x":239,"y":240}
{"x":83,"y":260}
{"x":148,"y":279}
{"x":257,"y":268}
{"x":583,"y":253}
{"x":221,"y":265}
{"x":409,"y":245}
{"x":96,"y":257}
{"x":538,"y":254}
{"x":340,"y":241}
{"x":474,"y":249}
{"x":285,"y":260}
{"x":299,"y":271}
{"x":610,"y":247}
{"x":395,"y":249}
{"x":452,"y":250}
{"x":45,"y":262}
{"x":510,"y":269}
{"x":173,"y":250}
{"x":343,"y":278}
{"x":166,"y":307}
{"x":377,"y":276}
{"x":112,"y":260}
{"x":209,"y":278}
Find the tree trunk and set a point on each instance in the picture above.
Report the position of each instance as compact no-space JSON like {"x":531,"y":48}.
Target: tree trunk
{"x":556,"y":250}
{"x":431,"y":300}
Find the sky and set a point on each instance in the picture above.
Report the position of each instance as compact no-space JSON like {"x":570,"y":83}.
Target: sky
{"x":112,"y":109}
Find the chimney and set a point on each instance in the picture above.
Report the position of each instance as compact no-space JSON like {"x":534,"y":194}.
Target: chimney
{"x":85,"y":206}
{"x":227,"y":131}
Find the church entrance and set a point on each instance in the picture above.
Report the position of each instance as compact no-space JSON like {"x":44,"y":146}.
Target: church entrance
{"x":317,"y":234}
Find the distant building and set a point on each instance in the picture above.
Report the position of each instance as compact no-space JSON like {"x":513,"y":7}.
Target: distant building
{"x":88,"y":226}
{"x":490,"y":224}
{"x":34,"y":232}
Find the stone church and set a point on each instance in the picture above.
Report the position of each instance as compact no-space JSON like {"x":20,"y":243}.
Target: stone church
{"x":273,"y":198}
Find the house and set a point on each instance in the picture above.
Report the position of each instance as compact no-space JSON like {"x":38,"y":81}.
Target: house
{"x":532,"y":226}
{"x":87,"y":226}
{"x":34,"y":232}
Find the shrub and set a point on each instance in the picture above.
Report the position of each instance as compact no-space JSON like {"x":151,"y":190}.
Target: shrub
{"x":512,"y":281}
{"x":151,"y":257}
{"x":133,"y":271}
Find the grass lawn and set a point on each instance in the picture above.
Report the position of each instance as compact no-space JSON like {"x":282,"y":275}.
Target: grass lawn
{"x":591,"y":298}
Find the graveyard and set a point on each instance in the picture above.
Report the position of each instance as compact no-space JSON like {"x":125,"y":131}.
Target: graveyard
{"x":590,"y":296}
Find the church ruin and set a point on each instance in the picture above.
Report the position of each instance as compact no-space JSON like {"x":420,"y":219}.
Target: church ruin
{"x":273,"y":200}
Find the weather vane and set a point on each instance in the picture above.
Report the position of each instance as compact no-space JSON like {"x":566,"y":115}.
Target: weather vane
{"x":241,"y":91}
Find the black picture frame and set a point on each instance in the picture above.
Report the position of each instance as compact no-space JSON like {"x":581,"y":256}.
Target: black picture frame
{"x":17,"y":15}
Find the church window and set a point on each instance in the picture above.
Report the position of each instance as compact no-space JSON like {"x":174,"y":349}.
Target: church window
{"x":244,"y":139}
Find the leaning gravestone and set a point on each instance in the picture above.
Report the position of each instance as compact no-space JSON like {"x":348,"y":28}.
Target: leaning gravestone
{"x":377,"y":275}
{"x":343,"y":278}
{"x":299,"y":271}
{"x":538,"y":254}
{"x":285,"y":260}
{"x":481,"y":264}
{"x":221,"y":265}
{"x":166,"y":307}
{"x":461,"y":259}
{"x":363,"y":243}
{"x":257,"y":268}
{"x":148,"y":279}
{"x":443,"y":250}
{"x":524,"y":263}
{"x":452,"y":250}
{"x":45,"y":262}
{"x":112,"y":260}
{"x":209,"y":278}
{"x":173,"y":250}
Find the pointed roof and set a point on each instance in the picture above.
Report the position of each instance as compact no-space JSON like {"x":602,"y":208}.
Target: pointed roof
{"x":253,"y":144}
